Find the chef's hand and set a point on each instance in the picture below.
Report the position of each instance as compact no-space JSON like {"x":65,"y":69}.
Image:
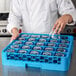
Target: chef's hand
{"x":61,"y":23}
{"x":15,"y":33}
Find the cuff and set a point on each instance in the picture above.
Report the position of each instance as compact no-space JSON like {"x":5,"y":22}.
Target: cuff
{"x":73,"y":23}
{"x":73,"y":14}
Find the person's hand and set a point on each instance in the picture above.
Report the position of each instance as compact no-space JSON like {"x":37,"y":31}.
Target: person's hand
{"x":15,"y":34}
{"x":61,"y":23}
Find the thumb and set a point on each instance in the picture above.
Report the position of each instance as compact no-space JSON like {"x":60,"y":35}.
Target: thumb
{"x":12,"y":38}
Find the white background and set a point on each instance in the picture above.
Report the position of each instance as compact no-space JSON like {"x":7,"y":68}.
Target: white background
{"x":4,"y":6}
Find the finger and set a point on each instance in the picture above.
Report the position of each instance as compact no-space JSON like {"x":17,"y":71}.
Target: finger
{"x":54,"y":27}
{"x":15,"y":36}
{"x":11,"y":39}
{"x":61,"y":28}
{"x":57,"y":28}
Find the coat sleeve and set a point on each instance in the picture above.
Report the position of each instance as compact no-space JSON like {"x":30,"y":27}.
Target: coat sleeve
{"x":14,"y":19}
{"x":66,"y":7}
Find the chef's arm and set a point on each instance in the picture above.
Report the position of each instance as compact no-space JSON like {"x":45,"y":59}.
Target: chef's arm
{"x":14,"y":19}
{"x":67,"y":12}
{"x":67,"y":7}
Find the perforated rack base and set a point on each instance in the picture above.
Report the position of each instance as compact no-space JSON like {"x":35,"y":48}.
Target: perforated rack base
{"x":39,"y":50}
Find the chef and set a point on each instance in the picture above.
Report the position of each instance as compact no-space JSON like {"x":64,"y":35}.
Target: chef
{"x":40,"y":16}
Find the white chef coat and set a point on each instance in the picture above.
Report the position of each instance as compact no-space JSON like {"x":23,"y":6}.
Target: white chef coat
{"x":38,"y":16}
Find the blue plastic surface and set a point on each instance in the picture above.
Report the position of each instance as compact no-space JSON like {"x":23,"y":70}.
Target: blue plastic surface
{"x":39,"y":50}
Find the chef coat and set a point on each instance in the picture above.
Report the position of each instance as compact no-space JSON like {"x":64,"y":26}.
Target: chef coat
{"x":38,"y":16}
